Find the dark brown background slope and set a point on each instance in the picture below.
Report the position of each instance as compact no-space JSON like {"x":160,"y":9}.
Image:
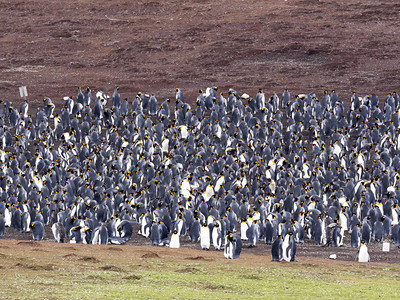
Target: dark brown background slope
{"x":154,"y":46}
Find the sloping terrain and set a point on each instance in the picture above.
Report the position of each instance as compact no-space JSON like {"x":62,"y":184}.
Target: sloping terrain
{"x":151,"y":46}
{"x":154,"y":46}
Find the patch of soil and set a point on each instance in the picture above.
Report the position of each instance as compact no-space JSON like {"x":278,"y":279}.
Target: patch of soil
{"x":89,"y":259}
{"x":198,"y":258}
{"x":153,"y":47}
{"x":30,"y":243}
{"x":111,"y":268}
{"x":71,"y":256}
{"x":36,"y":267}
{"x":150,"y":255}
{"x":114,"y":249}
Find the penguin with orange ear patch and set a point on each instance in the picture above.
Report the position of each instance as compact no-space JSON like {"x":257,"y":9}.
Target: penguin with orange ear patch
{"x":38,"y":230}
{"x":289,"y":248}
{"x":363,"y":255}
{"x":233,"y":246}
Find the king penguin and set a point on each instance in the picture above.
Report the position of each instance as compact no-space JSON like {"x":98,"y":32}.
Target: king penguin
{"x":268,"y":231}
{"x":233,"y":246}
{"x":363,"y":255}
{"x":59,"y":232}
{"x":38,"y":230}
{"x":100,"y":235}
{"x":217,"y":236}
{"x":205,"y":237}
{"x":355,"y":236}
{"x":194,"y":231}
{"x":276,"y":249}
{"x":174,"y":242}
{"x":289,"y":248}
{"x":251,"y":235}
{"x":26,"y":221}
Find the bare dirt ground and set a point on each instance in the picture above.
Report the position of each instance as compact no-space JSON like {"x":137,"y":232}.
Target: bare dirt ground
{"x":307,"y":250}
{"x":306,"y":46}
{"x":154,"y":46}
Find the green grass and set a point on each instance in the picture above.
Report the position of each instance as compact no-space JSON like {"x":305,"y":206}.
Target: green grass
{"x":94,"y":274}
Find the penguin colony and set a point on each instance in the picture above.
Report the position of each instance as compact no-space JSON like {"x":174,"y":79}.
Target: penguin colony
{"x":230,"y":169}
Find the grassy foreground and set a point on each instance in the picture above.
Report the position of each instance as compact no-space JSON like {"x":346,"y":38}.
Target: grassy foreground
{"x":52,"y":271}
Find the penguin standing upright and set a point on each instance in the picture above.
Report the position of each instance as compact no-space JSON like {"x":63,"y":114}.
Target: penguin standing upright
{"x":37,"y":230}
{"x":194,"y":231}
{"x":227,"y":248}
{"x":243,"y":229}
{"x":2,"y":225}
{"x":337,"y":237}
{"x":355,"y":237}
{"x":269,"y":232}
{"x":145,"y":224}
{"x":233,"y":245}
{"x":205,"y":237}
{"x":7,"y":216}
{"x":251,"y":235}
{"x":153,"y":105}
{"x":25,"y":221}
{"x":363,"y":255}
{"x":155,"y":234}
{"x":289,"y":248}
{"x":16,"y":220}
{"x":366,"y":232}
{"x":59,"y":232}
{"x":217,"y":236}
{"x":276,"y":249}
{"x":100,"y":235}
{"x":378,"y":230}
{"x":174,"y":242}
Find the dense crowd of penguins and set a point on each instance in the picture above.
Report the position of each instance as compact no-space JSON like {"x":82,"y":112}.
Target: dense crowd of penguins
{"x":224,"y":169}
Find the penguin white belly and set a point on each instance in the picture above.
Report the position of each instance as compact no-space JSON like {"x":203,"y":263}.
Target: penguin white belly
{"x":340,"y":242}
{"x":230,"y":250}
{"x":174,"y":243}
{"x":180,"y":226}
{"x":7,"y":218}
{"x":243,"y":230}
{"x":216,"y":238}
{"x":285,"y":253}
{"x":363,"y":255}
{"x":395,"y":217}
{"x":343,"y":221}
{"x":205,"y":238}
{"x":96,"y":238}
{"x":55,"y":231}
{"x":226,"y":248}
